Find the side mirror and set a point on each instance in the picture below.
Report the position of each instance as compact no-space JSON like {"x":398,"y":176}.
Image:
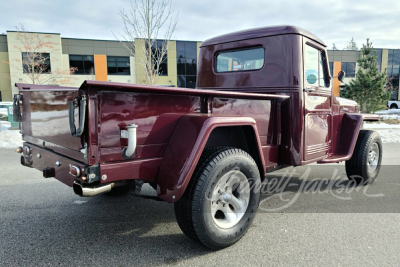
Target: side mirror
{"x":341,"y":75}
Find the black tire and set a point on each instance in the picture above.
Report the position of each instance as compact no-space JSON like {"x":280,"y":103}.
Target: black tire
{"x":358,"y":167}
{"x":393,"y":106}
{"x":193,"y":209}
{"x":120,"y":190}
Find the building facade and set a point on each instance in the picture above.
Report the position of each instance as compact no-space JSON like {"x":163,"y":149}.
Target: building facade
{"x":387,"y":59}
{"x":105,"y":60}
{"x":70,"y":61}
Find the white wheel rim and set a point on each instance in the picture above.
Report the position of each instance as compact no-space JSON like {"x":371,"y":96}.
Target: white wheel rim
{"x":373,"y":158}
{"x":230,"y":199}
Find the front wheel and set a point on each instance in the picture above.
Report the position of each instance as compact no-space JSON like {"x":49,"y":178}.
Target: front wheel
{"x":393,"y":106}
{"x":364,"y":165}
{"x":222,"y":198}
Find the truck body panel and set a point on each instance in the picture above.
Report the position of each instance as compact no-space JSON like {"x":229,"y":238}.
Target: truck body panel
{"x":184,"y":150}
{"x":167,"y":149}
{"x":272,"y":112}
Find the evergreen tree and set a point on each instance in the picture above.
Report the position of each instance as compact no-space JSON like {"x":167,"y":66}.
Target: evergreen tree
{"x":368,"y":89}
{"x":351,"y":45}
{"x":334,"y":47}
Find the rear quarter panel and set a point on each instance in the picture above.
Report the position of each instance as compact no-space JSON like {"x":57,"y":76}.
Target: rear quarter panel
{"x":155,"y":114}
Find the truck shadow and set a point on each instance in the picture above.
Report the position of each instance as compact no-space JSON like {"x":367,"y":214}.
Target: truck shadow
{"x":139,"y":231}
{"x":305,"y":188}
{"x":124,"y":231}
{"x":145,"y":232}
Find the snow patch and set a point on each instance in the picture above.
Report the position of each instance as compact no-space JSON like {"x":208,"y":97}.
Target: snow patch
{"x":388,"y":111}
{"x":9,"y":138}
{"x":381,"y":125}
{"x":5,"y":125}
{"x":390,"y":116}
{"x":389,"y":135}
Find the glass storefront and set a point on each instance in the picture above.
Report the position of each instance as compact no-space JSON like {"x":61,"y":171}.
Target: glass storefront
{"x":186,"y":57}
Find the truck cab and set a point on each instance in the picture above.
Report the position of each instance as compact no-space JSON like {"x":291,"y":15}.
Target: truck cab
{"x":286,"y":60}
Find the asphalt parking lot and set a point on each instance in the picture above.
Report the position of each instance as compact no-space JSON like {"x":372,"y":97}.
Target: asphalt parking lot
{"x":42,"y":223}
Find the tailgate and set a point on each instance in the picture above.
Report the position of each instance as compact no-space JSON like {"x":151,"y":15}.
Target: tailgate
{"x":44,"y":116}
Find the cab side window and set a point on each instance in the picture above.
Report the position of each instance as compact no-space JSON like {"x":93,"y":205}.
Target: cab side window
{"x":315,"y":67}
{"x":323,"y":79}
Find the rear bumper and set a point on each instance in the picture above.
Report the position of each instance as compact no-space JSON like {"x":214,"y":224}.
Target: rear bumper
{"x":40,"y":158}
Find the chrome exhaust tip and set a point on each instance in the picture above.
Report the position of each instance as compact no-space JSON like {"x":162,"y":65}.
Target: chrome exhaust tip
{"x":86,"y":191}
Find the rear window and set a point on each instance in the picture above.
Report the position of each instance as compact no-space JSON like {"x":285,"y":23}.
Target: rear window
{"x":240,"y":60}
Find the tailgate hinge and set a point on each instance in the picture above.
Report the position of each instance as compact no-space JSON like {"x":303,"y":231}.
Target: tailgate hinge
{"x":82,"y":113}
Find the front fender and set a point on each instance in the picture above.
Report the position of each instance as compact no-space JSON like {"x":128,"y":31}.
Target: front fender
{"x":185,"y":148}
{"x":350,"y":128}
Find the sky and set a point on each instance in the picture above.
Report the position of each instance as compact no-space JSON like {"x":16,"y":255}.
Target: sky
{"x":332,"y":21}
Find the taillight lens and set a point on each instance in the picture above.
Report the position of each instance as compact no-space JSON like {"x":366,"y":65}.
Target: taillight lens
{"x":74,"y":170}
{"x":27,"y":150}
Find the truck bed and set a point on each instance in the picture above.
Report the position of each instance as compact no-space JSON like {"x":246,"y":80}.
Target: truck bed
{"x":110,"y":107}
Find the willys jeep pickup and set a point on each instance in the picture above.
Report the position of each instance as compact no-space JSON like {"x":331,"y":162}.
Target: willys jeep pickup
{"x":263,"y":101}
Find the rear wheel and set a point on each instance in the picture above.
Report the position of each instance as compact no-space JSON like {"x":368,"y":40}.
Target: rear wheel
{"x":393,"y":106}
{"x":364,"y":165}
{"x":220,"y":201}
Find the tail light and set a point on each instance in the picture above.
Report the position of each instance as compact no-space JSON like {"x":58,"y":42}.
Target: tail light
{"x":74,"y":170}
{"x":27,"y":150}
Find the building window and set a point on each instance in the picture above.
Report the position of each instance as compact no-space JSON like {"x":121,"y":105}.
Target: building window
{"x":186,"y":57}
{"x":118,"y":65}
{"x":36,"y":62}
{"x":393,"y":63}
{"x":378,"y":53}
{"x":156,"y":54}
{"x":393,"y":67}
{"x":83,"y":64}
{"x":393,"y":57}
{"x":349,"y":68}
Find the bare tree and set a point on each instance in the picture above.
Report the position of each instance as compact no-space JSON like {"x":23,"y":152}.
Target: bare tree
{"x":142,"y":29}
{"x":334,"y":47}
{"x":351,"y":45}
{"x":35,"y":64}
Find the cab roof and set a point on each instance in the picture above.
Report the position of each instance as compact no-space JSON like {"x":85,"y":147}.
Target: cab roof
{"x":261,"y":32}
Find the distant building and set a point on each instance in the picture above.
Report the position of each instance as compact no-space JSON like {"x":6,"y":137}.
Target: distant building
{"x":105,"y":60}
{"x":100,"y":60}
{"x":388,"y":59}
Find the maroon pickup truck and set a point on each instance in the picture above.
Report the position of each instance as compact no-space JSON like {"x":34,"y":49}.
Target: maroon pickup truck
{"x":263,"y":101}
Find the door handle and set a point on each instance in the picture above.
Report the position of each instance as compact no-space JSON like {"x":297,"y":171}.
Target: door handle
{"x":309,"y":90}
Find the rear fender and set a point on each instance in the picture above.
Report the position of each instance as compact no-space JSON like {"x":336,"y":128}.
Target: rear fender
{"x":186,"y":146}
